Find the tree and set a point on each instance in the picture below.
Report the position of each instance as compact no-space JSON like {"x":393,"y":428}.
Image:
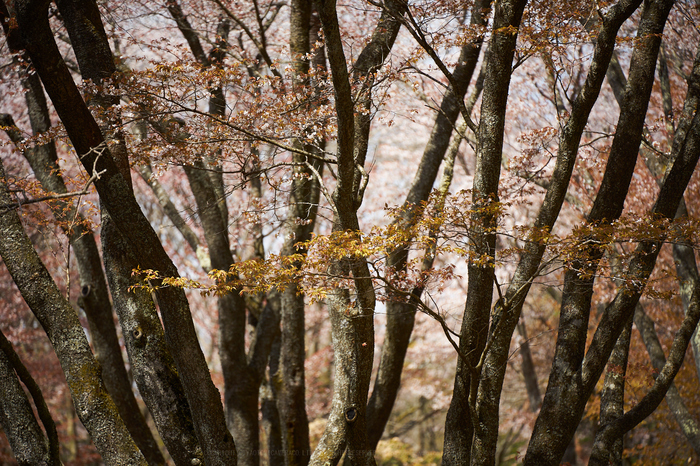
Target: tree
{"x":275,"y":142}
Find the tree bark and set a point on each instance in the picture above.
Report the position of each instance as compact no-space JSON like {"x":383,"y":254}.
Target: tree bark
{"x":93,"y":403}
{"x":680,"y":412}
{"x":352,"y":322}
{"x":528,"y":268}
{"x":243,"y":373}
{"x":94,"y":295}
{"x":29,"y":444}
{"x":143,"y":334}
{"x":172,"y":213}
{"x":687,"y":270}
{"x":271,"y":423}
{"x":241,"y":387}
{"x":459,"y":425}
{"x":400,"y":314}
{"x":612,"y":399}
{"x":656,"y":394}
{"x":304,"y":198}
{"x":683,"y":255}
{"x":573,"y":377}
{"x":181,"y":337}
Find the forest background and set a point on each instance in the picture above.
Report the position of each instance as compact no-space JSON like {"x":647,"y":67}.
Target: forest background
{"x":271,"y":232}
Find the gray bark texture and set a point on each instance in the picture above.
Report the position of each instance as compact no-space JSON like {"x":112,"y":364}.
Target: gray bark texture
{"x":202,"y":396}
{"x":508,"y":311}
{"x":680,"y":411}
{"x":94,"y":295}
{"x":152,"y":364}
{"x":352,"y":321}
{"x":94,"y":406}
{"x":29,"y":444}
{"x":612,"y":399}
{"x":304,"y":198}
{"x":401,"y":314}
{"x":683,"y":255}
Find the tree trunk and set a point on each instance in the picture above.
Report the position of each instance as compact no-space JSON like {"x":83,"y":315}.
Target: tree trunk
{"x":680,"y":412}
{"x":573,"y":377}
{"x":612,"y":399}
{"x":94,"y":405}
{"x":529,"y":266}
{"x":352,"y":323}
{"x":401,"y":315}
{"x":94,"y":295}
{"x":26,"y":438}
{"x":181,"y":337}
{"x":656,"y":394}
{"x":152,"y":365}
{"x":460,"y":423}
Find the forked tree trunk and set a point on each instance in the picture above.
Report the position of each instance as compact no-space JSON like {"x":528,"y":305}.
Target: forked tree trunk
{"x":460,"y":423}
{"x":181,"y":337}
{"x":574,"y":373}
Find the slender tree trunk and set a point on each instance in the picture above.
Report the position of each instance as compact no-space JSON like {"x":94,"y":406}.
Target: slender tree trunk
{"x":680,"y":412}
{"x":683,"y":255}
{"x":460,"y":423}
{"x":573,"y":376}
{"x":508,"y":312}
{"x":532,"y":386}
{"x":304,"y":200}
{"x":271,"y":423}
{"x":94,"y":295}
{"x":94,"y":405}
{"x":400,"y":314}
{"x":612,"y":399}
{"x":241,"y":386}
{"x":687,"y":270}
{"x":29,"y":444}
{"x":352,"y":323}
{"x":615,"y":429}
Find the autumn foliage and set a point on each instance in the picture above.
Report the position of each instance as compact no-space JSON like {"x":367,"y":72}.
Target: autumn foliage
{"x":371,"y":232}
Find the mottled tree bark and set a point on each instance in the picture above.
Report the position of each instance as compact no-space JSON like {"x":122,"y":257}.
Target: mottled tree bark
{"x":114,"y":191}
{"x":460,"y":423}
{"x":352,"y":322}
{"x":93,"y":403}
{"x":29,"y":444}
{"x":508,"y":312}
{"x":615,"y":429}
{"x":94,"y":295}
{"x":153,"y":366}
{"x":683,"y":255}
{"x":304,"y":198}
{"x":612,"y":398}
{"x":573,"y":375}
{"x":680,"y":411}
